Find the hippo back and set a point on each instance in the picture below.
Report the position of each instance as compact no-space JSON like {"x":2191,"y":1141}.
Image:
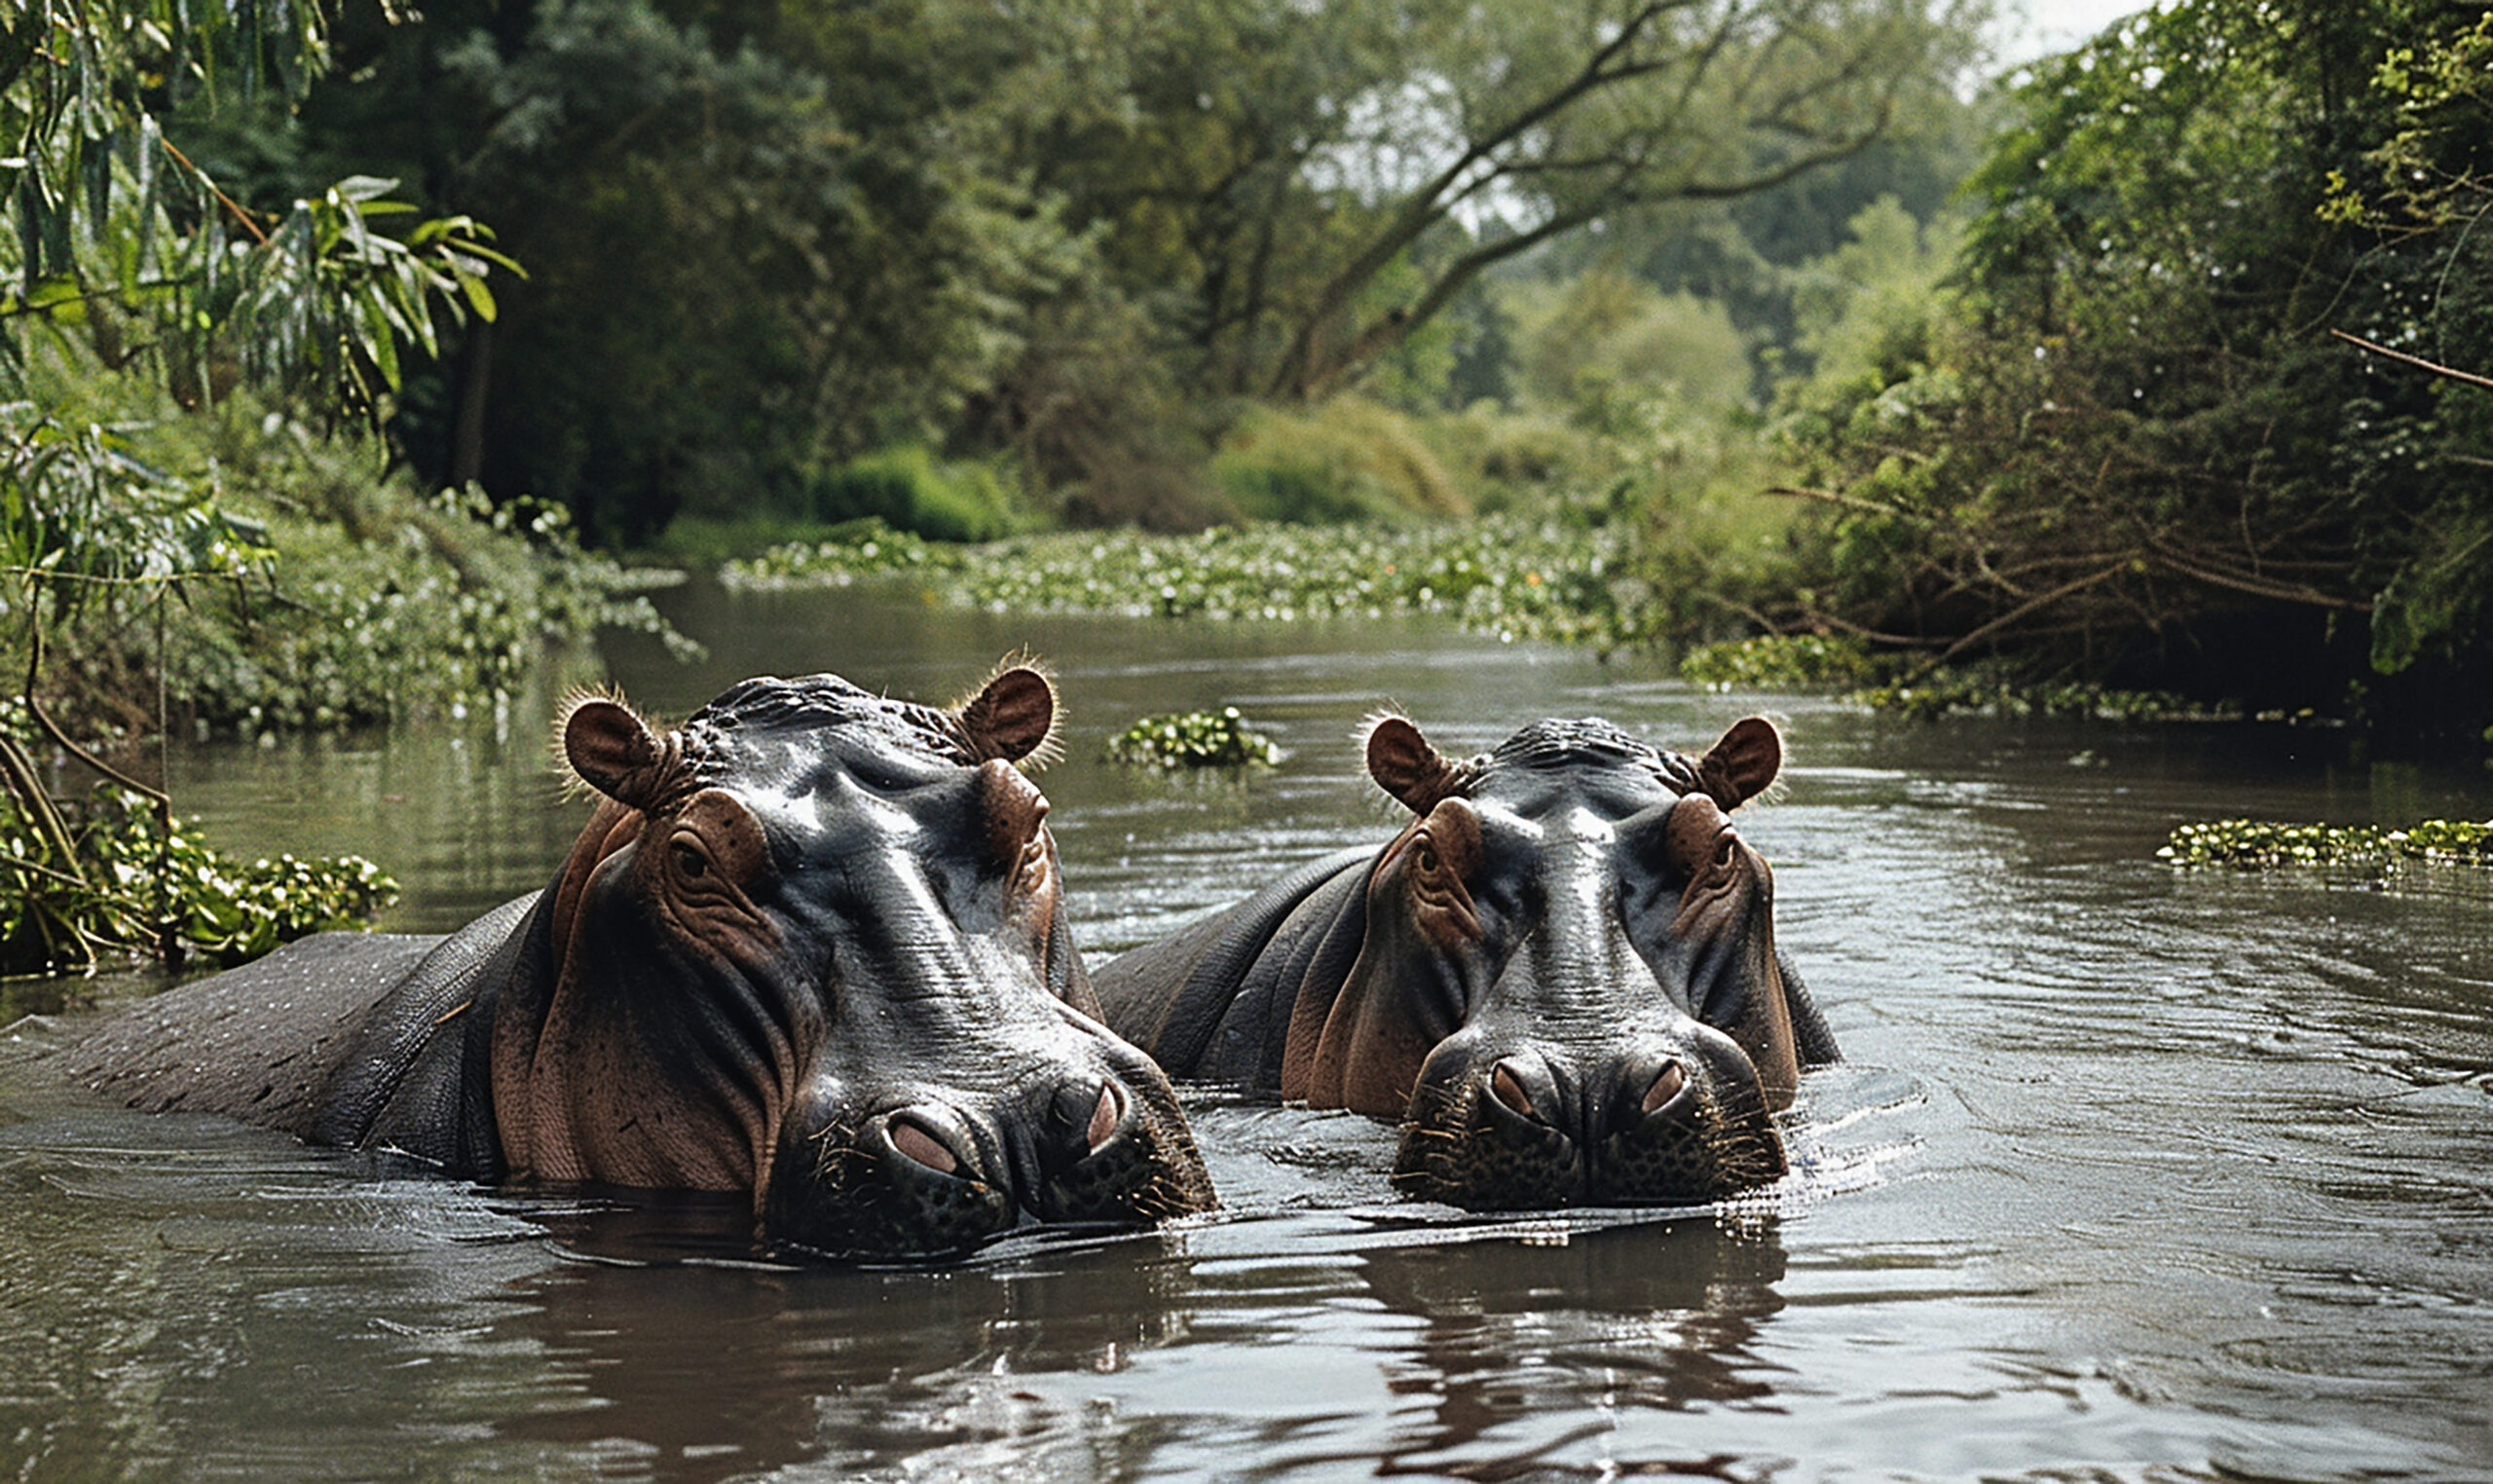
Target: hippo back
{"x":1213,"y":999}
{"x":351,"y":1039}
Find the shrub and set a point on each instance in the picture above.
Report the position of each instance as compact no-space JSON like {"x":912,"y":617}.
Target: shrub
{"x":1344,"y":460}
{"x":908,"y":488}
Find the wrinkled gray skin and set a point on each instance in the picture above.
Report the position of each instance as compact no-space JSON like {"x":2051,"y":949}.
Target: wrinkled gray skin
{"x":1560,"y":976}
{"x":810,"y":949}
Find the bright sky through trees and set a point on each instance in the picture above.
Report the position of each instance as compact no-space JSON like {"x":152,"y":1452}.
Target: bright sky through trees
{"x":2031,"y":28}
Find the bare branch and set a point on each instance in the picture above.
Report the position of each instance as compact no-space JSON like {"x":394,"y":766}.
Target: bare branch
{"x":2463,"y":378}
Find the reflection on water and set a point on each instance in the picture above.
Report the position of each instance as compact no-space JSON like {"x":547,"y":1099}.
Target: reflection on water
{"x":2130,"y":1176}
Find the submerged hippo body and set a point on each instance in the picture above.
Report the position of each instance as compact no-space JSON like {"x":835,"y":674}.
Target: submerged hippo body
{"x":811,"y":946}
{"x":1560,"y":976}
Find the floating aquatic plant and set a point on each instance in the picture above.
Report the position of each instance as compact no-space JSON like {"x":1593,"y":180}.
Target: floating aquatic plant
{"x":1506,"y":574}
{"x":1899,"y":683}
{"x":1782,"y":662}
{"x":1192,"y":739}
{"x":2254,"y":846}
{"x":125,"y":882}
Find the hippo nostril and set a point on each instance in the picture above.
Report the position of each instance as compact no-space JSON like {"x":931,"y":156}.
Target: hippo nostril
{"x":1665,"y":1087}
{"x":914,"y":1139}
{"x":1508,"y":1089}
{"x":1104,"y":1118}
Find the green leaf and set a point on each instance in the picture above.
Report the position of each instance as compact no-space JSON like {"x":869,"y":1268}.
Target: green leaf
{"x":363,"y":188}
{"x":479,"y":297}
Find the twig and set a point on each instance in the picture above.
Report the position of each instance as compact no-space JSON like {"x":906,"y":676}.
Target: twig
{"x":231,"y":205}
{"x":1833,"y":497}
{"x":169,"y":936}
{"x":2257,"y":587}
{"x":18,"y":770}
{"x":2466,"y":378}
{"x":52,"y":728}
{"x":2039,"y":600}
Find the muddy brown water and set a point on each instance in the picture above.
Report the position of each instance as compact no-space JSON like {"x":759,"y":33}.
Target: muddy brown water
{"x":2131,"y":1174}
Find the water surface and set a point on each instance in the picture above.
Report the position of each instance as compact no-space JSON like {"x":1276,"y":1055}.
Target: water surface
{"x":2130,"y":1174}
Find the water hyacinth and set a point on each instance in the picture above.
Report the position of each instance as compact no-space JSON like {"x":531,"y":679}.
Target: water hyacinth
{"x":129,"y":877}
{"x":2253,"y":845}
{"x":1781,"y":662}
{"x":1508,"y":576}
{"x":1193,"y":739}
{"x":1897,"y":683}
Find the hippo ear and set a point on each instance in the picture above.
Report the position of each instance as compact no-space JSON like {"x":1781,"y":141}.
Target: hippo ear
{"x":1014,"y":718}
{"x":615,"y":752}
{"x":1742,"y":763}
{"x":1404,"y":764}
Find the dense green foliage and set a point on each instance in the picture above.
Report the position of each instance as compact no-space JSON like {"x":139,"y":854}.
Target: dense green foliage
{"x":908,"y":488}
{"x":2127,"y":443}
{"x":344,"y":594}
{"x":127,"y":887}
{"x":1783,"y":662}
{"x":116,"y":235}
{"x":1193,"y":739}
{"x":2253,"y":845}
{"x":766,"y":240}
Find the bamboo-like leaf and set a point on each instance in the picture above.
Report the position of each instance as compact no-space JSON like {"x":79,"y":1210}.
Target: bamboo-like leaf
{"x":479,"y":297}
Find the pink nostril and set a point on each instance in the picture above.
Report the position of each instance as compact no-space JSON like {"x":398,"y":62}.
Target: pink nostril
{"x":1105,"y":1117}
{"x":1665,"y":1087}
{"x":910,"y":1137}
{"x":1508,"y":1087}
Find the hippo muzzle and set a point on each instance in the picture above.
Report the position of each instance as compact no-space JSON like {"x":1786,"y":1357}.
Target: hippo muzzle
{"x":1092,"y":1138}
{"x":1670,"y":1117}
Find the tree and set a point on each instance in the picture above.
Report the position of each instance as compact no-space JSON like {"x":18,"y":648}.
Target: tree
{"x":2131,"y":443}
{"x":117,"y":240}
{"x":1325,"y":179}
{"x":762,"y":239}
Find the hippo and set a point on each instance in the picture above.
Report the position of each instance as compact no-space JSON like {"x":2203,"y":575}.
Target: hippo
{"x":811,"y":949}
{"x":1560,"y":976}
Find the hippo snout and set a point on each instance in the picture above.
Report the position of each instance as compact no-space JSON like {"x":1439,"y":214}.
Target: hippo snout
{"x":936,"y":1175}
{"x":1674,"y":1119}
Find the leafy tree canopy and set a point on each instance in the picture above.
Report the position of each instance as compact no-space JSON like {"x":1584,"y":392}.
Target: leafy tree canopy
{"x":2134,"y":439}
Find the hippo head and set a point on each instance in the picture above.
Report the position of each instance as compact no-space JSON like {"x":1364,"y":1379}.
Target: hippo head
{"x":813,"y":946}
{"x":1568,"y":989}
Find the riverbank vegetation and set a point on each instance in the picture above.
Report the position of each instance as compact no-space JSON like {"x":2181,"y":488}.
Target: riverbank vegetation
{"x":106,"y":878}
{"x":2139,"y":370}
{"x":194,"y":518}
{"x":1847,"y":336}
{"x":2131,"y":437}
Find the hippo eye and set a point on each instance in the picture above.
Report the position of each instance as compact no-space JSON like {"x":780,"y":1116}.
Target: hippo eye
{"x":1428,"y":860}
{"x":690,"y":862}
{"x":1723,"y":852}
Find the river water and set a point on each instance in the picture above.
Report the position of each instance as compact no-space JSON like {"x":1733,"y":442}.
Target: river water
{"x":2131,"y":1174}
